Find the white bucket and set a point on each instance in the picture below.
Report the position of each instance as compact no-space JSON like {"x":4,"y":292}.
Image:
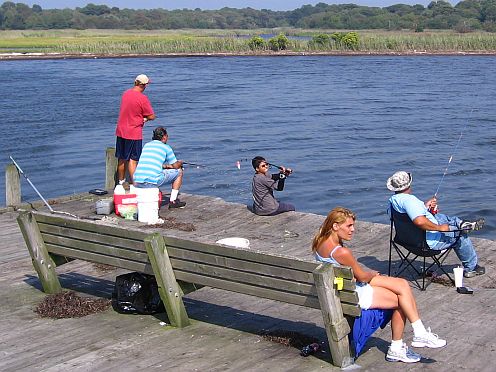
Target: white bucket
{"x":147,"y":204}
{"x":235,"y":242}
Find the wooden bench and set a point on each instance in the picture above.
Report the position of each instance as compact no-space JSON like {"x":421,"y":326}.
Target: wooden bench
{"x":177,"y":264}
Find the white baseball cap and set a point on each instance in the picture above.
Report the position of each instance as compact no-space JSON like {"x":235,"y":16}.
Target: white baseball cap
{"x":142,"y":79}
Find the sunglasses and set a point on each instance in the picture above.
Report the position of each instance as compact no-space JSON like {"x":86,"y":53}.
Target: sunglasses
{"x":265,"y":165}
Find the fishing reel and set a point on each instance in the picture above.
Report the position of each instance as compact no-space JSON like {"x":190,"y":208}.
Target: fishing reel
{"x":286,"y":173}
{"x":434,"y":210}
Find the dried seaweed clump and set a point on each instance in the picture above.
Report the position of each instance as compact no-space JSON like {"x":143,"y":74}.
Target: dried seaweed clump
{"x":68,"y":304}
{"x":443,"y":281}
{"x":439,"y":279}
{"x":288,"y":338}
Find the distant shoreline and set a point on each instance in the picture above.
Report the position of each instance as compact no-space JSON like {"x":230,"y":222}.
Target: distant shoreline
{"x":37,"y":56}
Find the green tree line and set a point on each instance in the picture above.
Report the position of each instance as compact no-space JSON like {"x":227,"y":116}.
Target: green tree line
{"x":465,"y":16}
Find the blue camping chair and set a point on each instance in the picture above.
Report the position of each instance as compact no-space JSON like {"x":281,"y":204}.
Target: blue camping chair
{"x":410,"y":244}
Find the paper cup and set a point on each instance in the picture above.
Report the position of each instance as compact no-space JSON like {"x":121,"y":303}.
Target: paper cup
{"x":235,"y":242}
{"x":458,"y":272}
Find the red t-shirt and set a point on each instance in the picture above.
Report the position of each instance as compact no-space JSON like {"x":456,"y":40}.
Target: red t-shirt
{"x":134,"y":107}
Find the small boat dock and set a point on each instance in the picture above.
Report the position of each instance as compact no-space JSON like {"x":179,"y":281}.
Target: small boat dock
{"x":227,"y":328}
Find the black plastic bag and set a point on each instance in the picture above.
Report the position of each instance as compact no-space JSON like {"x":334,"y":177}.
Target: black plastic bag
{"x":136,"y":293}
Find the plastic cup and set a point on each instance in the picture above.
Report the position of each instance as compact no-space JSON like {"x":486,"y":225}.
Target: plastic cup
{"x":458,"y":272}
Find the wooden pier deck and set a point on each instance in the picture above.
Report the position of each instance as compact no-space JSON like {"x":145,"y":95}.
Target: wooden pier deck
{"x":225,"y":332}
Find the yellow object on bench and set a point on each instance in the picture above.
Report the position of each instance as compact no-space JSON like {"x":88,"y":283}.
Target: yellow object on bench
{"x":339,"y":283}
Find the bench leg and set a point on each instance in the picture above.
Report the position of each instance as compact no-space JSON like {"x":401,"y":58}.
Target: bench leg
{"x":336,"y":325}
{"x":168,"y":288}
{"x":42,"y":262}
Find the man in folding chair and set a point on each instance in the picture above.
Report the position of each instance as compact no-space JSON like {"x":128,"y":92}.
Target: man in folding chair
{"x":438,"y":225}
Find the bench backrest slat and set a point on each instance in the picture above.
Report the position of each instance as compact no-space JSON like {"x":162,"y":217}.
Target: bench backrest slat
{"x":100,"y":258}
{"x":93,"y":236}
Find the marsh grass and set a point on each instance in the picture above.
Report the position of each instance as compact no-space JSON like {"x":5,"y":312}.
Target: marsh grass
{"x":232,"y":41}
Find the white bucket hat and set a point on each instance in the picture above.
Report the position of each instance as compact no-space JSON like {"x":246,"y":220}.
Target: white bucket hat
{"x":399,"y":181}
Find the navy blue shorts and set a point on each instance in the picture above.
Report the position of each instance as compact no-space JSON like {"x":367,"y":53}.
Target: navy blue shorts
{"x":127,"y":149}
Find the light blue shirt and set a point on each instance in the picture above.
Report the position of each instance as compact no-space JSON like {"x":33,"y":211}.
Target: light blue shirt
{"x":150,"y":165}
{"x":414,"y":207}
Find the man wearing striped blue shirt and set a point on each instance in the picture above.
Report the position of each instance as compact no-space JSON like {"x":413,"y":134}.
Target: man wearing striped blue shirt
{"x":158,"y":166}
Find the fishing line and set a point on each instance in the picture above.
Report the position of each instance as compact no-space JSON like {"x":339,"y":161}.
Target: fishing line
{"x":36,"y":190}
{"x":454,"y":151}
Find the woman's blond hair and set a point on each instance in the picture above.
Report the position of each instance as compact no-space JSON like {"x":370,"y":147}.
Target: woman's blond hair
{"x":337,"y":215}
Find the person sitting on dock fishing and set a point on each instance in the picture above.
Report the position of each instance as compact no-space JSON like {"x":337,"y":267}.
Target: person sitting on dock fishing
{"x":263,"y":186}
{"x":158,"y":166}
{"x":437,"y":225}
{"x":135,"y":111}
{"x":375,"y":291}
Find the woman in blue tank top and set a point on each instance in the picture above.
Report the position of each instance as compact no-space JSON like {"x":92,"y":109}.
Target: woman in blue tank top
{"x":381,"y":292}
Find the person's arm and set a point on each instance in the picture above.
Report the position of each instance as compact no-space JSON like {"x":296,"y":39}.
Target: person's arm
{"x":345,"y":257}
{"x":279,"y":180}
{"x":149,"y":117}
{"x":177,"y":165}
{"x":423,"y":223}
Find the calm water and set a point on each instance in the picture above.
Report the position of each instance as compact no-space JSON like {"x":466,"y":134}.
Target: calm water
{"x":344,"y":124}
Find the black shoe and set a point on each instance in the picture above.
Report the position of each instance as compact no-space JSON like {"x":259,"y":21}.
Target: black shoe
{"x":478,"y":270}
{"x":176,"y":204}
{"x":469,"y":226}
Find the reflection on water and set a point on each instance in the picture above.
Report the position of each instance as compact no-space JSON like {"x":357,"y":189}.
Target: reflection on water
{"x":344,"y":124}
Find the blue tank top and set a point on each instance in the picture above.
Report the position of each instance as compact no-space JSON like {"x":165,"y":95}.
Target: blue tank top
{"x":329,"y":259}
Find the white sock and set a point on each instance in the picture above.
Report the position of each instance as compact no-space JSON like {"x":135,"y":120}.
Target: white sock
{"x":396,"y":345}
{"x":418,"y":328}
{"x":121,"y":182}
{"x":174,"y":194}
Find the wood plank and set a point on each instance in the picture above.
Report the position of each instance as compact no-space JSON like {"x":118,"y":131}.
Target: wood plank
{"x":92,"y":226}
{"x":170,"y":291}
{"x":244,"y":254}
{"x":343,"y":272}
{"x":332,"y":314}
{"x":302,"y":300}
{"x":102,"y":249}
{"x":110,"y":169}
{"x":237,"y":264}
{"x":351,"y":309}
{"x":250,"y":278}
{"x":12,"y":186}
{"x":98,"y":258}
{"x":42,"y":262}
{"x":92,"y":236}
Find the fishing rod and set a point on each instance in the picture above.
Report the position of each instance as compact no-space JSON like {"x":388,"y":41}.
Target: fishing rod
{"x":36,"y":190}
{"x":238,"y":163}
{"x":194,"y":164}
{"x":453,"y":153}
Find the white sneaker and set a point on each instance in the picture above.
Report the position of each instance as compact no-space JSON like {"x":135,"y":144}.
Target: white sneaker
{"x":428,"y":339}
{"x":404,"y":355}
{"x":469,"y":226}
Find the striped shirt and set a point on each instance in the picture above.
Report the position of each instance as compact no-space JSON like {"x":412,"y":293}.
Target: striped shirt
{"x":153,"y":156}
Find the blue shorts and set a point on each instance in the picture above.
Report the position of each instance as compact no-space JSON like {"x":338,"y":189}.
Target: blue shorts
{"x":127,"y":149}
{"x":167,"y":176}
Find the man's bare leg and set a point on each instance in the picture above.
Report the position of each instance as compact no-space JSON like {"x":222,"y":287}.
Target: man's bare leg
{"x":131,"y":167}
{"x":121,"y":169}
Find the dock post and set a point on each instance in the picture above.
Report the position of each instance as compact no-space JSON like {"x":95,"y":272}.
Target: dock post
{"x":12,"y":186}
{"x":168,"y":288}
{"x":110,"y":168}
{"x":336,"y":325}
{"x":42,"y":262}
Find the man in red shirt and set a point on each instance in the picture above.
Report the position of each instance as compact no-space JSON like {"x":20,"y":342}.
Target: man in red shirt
{"x":135,"y":110}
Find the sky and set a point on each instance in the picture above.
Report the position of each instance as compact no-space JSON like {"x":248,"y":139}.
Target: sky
{"x":212,"y":4}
